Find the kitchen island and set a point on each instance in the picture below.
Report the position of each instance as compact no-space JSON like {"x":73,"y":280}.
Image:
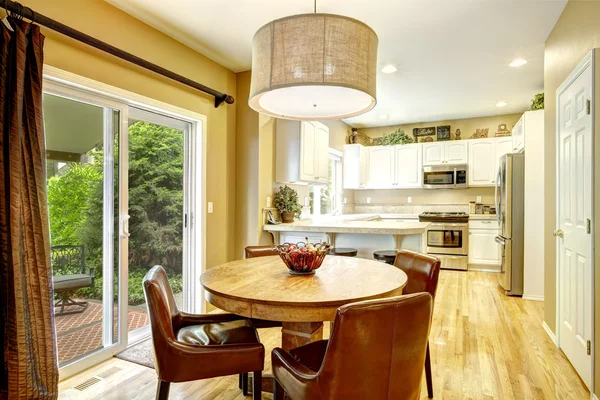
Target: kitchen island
{"x":364,"y":232}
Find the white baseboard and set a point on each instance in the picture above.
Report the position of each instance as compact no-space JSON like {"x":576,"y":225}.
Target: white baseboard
{"x":550,"y":333}
{"x":534,"y":297}
{"x":483,"y":268}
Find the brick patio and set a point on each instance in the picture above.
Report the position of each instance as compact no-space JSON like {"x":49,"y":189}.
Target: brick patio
{"x":79,"y":334}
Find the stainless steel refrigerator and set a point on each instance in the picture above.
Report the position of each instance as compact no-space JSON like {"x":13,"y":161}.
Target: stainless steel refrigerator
{"x":510,"y":214}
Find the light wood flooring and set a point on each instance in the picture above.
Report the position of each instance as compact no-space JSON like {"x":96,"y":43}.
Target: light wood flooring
{"x":484,"y":345}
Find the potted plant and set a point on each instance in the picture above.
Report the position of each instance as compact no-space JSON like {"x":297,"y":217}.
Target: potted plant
{"x":537,"y":103}
{"x":286,"y":201}
{"x":396,"y":137}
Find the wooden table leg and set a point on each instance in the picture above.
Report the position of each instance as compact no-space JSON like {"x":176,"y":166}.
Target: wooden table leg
{"x":296,"y":334}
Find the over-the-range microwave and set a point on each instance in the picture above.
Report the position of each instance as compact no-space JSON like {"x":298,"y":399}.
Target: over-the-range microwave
{"x":445,"y":176}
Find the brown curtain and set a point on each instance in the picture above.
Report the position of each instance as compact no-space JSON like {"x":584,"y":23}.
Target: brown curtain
{"x":30,"y":366}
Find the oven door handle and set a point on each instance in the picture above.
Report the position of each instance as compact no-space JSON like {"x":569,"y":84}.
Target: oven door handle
{"x":452,"y":224}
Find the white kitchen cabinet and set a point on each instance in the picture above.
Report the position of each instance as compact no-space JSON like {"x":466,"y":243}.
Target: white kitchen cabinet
{"x":481,"y":162}
{"x":408,"y":168}
{"x":518,"y":135}
{"x":484,"y":156}
{"x":356,"y":165}
{"x":433,"y":153}
{"x":456,"y":152}
{"x":302,"y":152}
{"x":381,"y":167}
{"x":439,"y":153}
{"x":483,"y":250}
{"x":322,"y":153}
{"x":503,"y":145}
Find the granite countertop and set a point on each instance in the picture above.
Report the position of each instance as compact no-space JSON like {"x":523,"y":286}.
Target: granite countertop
{"x":354,"y":223}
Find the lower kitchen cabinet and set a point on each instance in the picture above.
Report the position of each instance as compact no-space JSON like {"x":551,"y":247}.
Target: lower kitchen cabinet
{"x":484,"y":252}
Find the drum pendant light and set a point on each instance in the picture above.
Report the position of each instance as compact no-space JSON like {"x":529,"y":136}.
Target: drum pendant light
{"x":314,"y":67}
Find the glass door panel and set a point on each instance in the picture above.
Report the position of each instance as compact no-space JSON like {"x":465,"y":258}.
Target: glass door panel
{"x":82,"y":142}
{"x":158,"y":218}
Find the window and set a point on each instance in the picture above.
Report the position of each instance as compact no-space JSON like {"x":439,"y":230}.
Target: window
{"x":329,"y":197}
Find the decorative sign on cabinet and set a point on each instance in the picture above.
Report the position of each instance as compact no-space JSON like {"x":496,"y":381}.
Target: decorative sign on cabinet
{"x":302,"y":152}
{"x":439,"y":153}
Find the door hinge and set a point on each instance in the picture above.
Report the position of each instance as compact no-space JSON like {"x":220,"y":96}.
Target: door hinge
{"x":588,"y":226}
{"x":588,"y":107}
{"x":589,"y":347}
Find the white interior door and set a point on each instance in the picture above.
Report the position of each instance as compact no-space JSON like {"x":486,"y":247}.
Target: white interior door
{"x":574,"y":199}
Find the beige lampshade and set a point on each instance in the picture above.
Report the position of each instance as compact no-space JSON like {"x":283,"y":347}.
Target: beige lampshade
{"x":314,"y":67}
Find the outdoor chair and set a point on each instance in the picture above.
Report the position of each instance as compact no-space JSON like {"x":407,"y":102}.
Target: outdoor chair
{"x":70,"y":272}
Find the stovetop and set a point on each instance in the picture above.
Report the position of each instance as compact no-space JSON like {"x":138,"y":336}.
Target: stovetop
{"x":434,"y":216}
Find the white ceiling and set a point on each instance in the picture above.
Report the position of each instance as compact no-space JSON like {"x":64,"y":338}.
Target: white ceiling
{"x":452,"y":55}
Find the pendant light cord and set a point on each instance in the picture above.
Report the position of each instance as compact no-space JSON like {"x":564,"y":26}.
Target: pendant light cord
{"x":315,"y":9}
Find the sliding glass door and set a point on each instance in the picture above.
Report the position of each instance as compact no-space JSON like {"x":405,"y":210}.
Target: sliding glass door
{"x":123,"y":184}
{"x":83,"y":138}
{"x":159,"y":208}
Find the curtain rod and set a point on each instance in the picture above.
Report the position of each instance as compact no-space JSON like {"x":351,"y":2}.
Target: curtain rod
{"x":26,"y":12}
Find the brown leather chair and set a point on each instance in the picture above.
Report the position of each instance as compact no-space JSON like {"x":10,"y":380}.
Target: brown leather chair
{"x":423,"y":272}
{"x":376,"y":351}
{"x":189,"y":347}
{"x":260,"y":251}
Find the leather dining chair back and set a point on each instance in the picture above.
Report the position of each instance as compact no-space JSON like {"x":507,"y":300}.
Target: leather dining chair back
{"x":423,"y":272}
{"x":190,"y":347}
{"x":260,"y":251}
{"x":376,"y":351}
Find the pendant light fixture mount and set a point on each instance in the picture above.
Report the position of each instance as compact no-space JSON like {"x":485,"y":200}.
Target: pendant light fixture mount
{"x":314,"y":67}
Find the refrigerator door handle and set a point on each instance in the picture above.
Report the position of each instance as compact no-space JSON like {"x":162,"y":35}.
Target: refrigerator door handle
{"x":496,"y":199}
{"x":500,"y":240}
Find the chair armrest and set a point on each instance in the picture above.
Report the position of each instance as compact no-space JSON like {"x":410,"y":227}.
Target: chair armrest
{"x":299,"y":381}
{"x":187,"y":319}
{"x":91,"y":270}
{"x":180,"y":362}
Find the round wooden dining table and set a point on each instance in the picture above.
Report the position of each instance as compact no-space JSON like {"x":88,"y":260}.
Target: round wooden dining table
{"x":263,"y":288}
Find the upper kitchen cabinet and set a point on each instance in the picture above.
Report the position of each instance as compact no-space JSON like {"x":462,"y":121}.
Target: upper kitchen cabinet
{"x":302,"y":151}
{"x":356,"y":164}
{"x":409,"y":166}
{"x":530,"y":121}
{"x":484,"y":156}
{"x":381,"y":167}
{"x":518,"y":135}
{"x":439,"y":153}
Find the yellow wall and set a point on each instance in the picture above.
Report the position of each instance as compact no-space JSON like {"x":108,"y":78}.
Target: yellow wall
{"x":113,"y":26}
{"x":247,"y":167}
{"x":467,"y":126}
{"x":255,"y":157}
{"x":576,"y":33}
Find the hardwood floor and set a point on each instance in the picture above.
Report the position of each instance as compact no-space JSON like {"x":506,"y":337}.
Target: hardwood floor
{"x":484,"y":345}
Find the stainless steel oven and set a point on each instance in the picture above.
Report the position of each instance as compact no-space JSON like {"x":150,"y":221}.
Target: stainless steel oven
{"x":445,"y":177}
{"x":447,"y":238}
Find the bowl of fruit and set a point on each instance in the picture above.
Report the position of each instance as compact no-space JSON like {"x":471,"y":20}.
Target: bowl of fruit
{"x":303,"y":258}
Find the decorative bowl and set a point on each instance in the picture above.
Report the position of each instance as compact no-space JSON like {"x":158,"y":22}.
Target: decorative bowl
{"x":303,"y":258}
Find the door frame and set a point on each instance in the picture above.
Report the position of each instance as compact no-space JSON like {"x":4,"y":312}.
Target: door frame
{"x":588,"y":61}
{"x":111,"y":96}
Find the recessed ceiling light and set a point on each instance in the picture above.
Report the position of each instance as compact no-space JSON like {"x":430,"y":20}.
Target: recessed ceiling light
{"x":383,"y":116}
{"x":519,"y":62}
{"x":501,"y":104}
{"x":389,"y":69}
